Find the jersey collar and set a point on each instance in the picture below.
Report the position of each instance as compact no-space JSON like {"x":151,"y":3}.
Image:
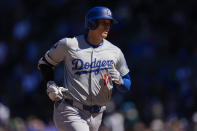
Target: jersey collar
{"x":93,"y":46}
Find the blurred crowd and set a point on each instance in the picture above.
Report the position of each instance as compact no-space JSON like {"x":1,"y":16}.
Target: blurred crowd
{"x":158,"y":39}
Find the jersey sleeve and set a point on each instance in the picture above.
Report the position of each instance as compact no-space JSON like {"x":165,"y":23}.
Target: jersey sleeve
{"x":57,"y":53}
{"x":121,"y":65}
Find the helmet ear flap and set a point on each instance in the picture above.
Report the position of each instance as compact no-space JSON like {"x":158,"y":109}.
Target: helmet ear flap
{"x":92,"y":25}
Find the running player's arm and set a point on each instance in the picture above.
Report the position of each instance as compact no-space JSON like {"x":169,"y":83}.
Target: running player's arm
{"x":46,"y":69}
{"x":126,"y":86}
{"x":124,"y":72}
{"x":50,"y":60}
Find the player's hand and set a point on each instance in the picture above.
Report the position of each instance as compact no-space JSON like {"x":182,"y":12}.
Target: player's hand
{"x":115,"y":75}
{"x":54,"y":92}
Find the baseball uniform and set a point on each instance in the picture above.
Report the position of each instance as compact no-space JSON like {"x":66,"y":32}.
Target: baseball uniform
{"x":85,"y":76}
{"x":90,"y":73}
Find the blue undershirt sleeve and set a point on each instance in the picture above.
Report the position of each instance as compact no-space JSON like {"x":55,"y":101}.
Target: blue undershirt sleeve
{"x":126,"y":84}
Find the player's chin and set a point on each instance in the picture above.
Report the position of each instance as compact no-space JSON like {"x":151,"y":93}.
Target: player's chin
{"x":104,"y":34}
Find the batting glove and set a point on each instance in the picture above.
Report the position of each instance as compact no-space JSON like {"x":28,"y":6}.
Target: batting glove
{"x":115,"y":76}
{"x":54,"y":92}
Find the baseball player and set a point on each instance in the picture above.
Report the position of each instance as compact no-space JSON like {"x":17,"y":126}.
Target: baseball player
{"x":92,"y":67}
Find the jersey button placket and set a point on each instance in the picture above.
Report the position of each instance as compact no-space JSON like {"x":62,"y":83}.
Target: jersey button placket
{"x":91,"y":76}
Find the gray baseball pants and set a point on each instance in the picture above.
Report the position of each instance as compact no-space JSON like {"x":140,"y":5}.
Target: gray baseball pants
{"x":70,"y":118}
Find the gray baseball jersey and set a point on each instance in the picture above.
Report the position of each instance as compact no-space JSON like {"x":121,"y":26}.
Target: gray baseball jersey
{"x":86,"y":68}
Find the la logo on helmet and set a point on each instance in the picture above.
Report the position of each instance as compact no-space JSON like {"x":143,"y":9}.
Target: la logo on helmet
{"x":108,"y":12}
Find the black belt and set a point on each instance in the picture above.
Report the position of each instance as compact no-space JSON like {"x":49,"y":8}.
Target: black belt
{"x":91,"y":109}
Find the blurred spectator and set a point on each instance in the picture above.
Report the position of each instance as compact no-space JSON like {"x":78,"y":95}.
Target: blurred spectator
{"x":114,"y":120}
{"x":4,"y":114}
{"x":35,"y":124}
{"x":18,"y":124}
{"x":51,"y":127}
{"x":140,"y":126}
{"x":157,"y":125}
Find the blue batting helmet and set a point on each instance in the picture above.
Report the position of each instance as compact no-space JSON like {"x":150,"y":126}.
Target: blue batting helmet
{"x":95,"y":13}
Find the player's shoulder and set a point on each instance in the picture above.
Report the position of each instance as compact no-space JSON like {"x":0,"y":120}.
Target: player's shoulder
{"x":108,"y":44}
{"x":70,"y":41}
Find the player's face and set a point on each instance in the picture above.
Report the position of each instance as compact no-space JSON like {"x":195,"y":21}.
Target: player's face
{"x":103,"y":27}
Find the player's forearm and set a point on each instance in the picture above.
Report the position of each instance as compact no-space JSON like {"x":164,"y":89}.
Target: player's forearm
{"x":126,"y":84}
{"x":46,"y":69}
{"x":47,"y":72}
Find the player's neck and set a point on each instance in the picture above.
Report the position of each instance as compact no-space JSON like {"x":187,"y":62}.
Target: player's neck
{"x":93,"y":39}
